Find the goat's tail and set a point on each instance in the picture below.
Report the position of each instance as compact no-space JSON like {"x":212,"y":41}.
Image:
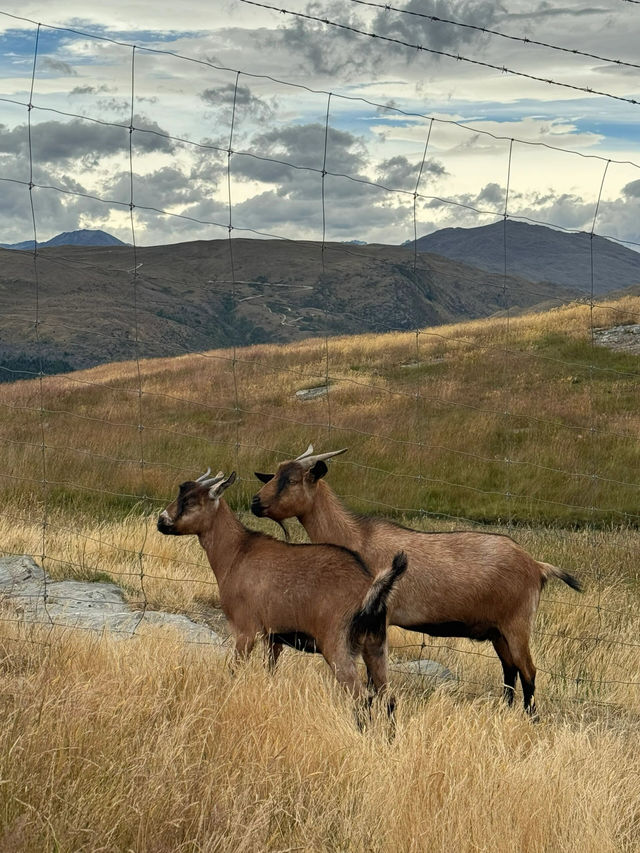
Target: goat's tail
{"x":371,"y":618}
{"x":549,"y":571}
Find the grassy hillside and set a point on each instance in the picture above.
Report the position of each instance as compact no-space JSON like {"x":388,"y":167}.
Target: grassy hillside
{"x":519,"y":419}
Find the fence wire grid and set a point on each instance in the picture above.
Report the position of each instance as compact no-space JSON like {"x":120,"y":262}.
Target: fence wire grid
{"x":107,"y":447}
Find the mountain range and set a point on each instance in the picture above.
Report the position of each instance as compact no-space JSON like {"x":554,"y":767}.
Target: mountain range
{"x":98,"y":304}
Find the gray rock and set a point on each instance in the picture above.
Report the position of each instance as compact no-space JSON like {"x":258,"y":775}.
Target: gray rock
{"x":79,"y":596}
{"x":27,"y":591}
{"x":430,"y":672}
{"x":312,"y":393}
{"x":18,"y":570}
{"x":625,"y":338}
{"x":191,"y":631}
{"x":438,"y":359}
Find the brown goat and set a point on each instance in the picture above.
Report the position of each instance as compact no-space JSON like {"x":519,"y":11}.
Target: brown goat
{"x":483,"y":586}
{"x":317,"y":598}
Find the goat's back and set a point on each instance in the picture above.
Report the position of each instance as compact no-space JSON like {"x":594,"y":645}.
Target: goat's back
{"x":310,"y":588}
{"x":460,"y":577}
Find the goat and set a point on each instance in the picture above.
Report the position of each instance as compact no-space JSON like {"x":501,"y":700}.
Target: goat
{"x":483,"y":586}
{"x":316,"y":598}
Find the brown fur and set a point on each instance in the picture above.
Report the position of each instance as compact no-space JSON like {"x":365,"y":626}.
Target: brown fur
{"x":478,"y":585}
{"x":318,"y":597}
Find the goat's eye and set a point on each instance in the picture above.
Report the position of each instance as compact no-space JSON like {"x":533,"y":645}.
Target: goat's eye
{"x":292,"y":482}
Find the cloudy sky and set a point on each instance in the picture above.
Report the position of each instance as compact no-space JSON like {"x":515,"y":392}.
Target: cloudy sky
{"x":414,"y":137}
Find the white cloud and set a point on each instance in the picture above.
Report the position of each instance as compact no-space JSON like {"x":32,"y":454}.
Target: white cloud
{"x":279,"y":130}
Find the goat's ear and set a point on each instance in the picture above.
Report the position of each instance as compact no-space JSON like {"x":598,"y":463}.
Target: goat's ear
{"x":264,"y":478}
{"x":218,"y":488}
{"x":318,"y":471}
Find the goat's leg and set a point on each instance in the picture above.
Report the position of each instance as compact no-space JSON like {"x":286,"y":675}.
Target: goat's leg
{"x":519,"y":648}
{"x":244,"y":643}
{"x":272,"y":652}
{"x":509,"y":669}
{"x":376,"y":658}
{"x":371,"y":680}
{"x":528,"y":680}
{"x":375,"y":654}
{"x":344,"y":667}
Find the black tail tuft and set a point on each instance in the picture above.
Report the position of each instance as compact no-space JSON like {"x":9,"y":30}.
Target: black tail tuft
{"x":398,"y":568}
{"x":372,"y":616}
{"x":571,"y":581}
{"x":551,"y":571}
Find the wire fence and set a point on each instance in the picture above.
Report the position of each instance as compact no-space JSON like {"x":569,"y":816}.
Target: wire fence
{"x":447,"y":426}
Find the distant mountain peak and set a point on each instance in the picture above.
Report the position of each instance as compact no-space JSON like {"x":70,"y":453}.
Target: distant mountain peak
{"x":539,"y":253}
{"x":84,"y":237}
{"x":81,"y":237}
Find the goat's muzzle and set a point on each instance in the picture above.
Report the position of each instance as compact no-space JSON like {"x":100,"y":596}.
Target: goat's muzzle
{"x":165,"y":526}
{"x":256,"y":506}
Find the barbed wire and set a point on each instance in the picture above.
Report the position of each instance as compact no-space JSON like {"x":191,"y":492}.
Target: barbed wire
{"x":583,"y":428}
{"x":532,"y":499}
{"x":39,"y":349}
{"x":528,"y":355}
{"x":86,"y":566}
{"x":423,"y":49}
{"x":525,"y":40}
{"x":266,"y":234}
{"x":470,"y":277}
{"x":216,"y":643}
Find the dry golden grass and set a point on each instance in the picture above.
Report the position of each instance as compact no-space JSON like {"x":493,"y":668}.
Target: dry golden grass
{"x":586,"y":646}
{"x":152,"y":746}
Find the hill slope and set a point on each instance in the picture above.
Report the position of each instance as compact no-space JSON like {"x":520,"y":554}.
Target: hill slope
{"x":538,"y":253}
{"x":190,"y":296}
{"x":487,"y":420}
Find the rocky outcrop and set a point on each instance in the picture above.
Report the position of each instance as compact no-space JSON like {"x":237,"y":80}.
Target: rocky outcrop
{"x":31,"y":596}
{"x":625,"y":338}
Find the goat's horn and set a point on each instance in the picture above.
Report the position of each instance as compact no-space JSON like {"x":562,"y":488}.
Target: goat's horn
{"x":222,"y":484}
{"x":308,"y":461}
{"x":307,"y":452}
{"x":204,"y":476}
{"x":219,"y":476}
{"x":321,"y":456}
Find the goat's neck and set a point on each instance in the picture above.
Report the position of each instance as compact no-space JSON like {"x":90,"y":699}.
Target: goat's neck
{"x":222,"y":541}
{"x":330,"y":521}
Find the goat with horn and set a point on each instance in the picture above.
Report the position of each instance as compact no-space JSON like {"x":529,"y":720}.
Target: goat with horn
{"x":483,"y":586}
{"x":317,"y":598}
